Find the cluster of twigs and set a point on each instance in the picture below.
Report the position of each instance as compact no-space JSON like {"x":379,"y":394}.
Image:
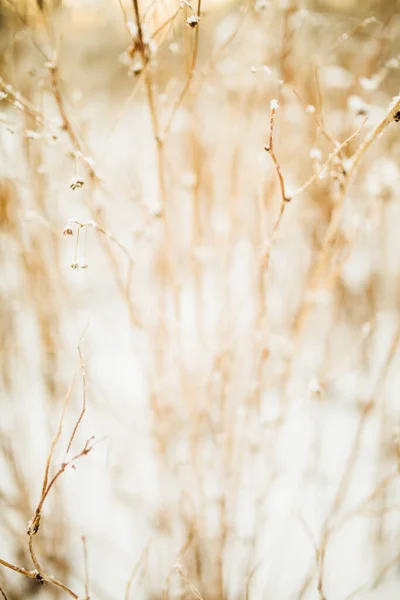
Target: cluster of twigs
{"x":213,"y":370}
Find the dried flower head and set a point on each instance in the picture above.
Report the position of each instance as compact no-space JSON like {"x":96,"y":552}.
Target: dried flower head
{"x":68,"y":231}
{"x":79,"y":265}
{"x":76,"y":182}
{"x":193,"y":21}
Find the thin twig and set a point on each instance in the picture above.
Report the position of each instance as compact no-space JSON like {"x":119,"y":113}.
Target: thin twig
{"x":86,"y":568}
{"x":84,"y":387}
{"x":2,"y":592}
{"x":136,"y":568}
{"x":139,"y":25}
{"x":334,"y":224}
{"x":21,"y":570}
{"x":271,"y":151}
{"x":181,"y":554}
{"x":190,"y":585}
{"x":379,"y":578}
{"x":346,"y":36}
{"x":106,"y":234}
{"x":56,"y":438}
{"x":21,"y":103}
{"x":354,"y":165}
{"x":38,"y":577}
{"x":329,"y":526}
{"x":284,"y":198}
{"x":189,"y":78}
{"x":250,"y":578}
{"x":330,"y":158}
{"x":140,"y":78}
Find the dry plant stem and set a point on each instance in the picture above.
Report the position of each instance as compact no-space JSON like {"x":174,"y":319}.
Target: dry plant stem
{"x":197,"y":228}
{"x":284,"y":198}
{"x":341,"y":493}
{"x":319,"y":266}
{"x":35,"y":521}
{"x":26,"y":24}
{"x":319,"y":102}
{"x":139,"y":28}
{"x":59,"y":585}
{"x":356,"y":592}
{"x":271,"y":151}
{"x":84,"y":386}
{"x":43,"y":578}
{"x":124,"y":14}
{"x":139,"y":80}
{"x":346,"y":36}
{"x":2,"y":592}
{"x":39,"y":573}
{"x":158,"y":142}
{"x":67,"y":125}
{"x":190,"y":585}
{"x":23,"y":104}
{"x":316,"y":117}
{"x":338,"y":150}
{"x":378,"y":579}
{"x":334,"y":274}
{"x":86,"y":449}
{"x":287,"y":39}
{"x":18,"y":477}
{"x":163,"y":190}
{"x":55,"y":81}
{"x":34,"y":558}
{"x":355,"y":163}
{"x":337,"y":502}
{"x":136,"y":568}
{"x":86,"y":569}
{"x":159,"y":148}
{"x":189,"y":78}
{"x":382,"y":407}
{"x":217,"y":53}
{"x":47,"y":485}
{"x":21,"y":570}
{"x":250,"y":578}
{"x":181,"y":554}
{"x":148,"y":9}
{"x":55,"y":440}
{"x":35,"y":524}
{"x":55,"y":84}
{"x":124,"y":288}
{"x":169,"y":21}
{"x":364,"y":504}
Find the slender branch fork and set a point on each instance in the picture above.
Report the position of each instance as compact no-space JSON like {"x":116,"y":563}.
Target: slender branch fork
{"x":38,"y":573}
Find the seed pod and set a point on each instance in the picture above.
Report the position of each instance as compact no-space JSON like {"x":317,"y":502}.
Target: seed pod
{"x":192,"y":21}
{"x":76,"y":182}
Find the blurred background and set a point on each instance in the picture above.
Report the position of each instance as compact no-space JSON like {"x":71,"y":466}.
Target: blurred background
{"x":199,"y":338}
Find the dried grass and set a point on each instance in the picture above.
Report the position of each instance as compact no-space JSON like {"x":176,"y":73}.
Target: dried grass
{"x":209,"y":193}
